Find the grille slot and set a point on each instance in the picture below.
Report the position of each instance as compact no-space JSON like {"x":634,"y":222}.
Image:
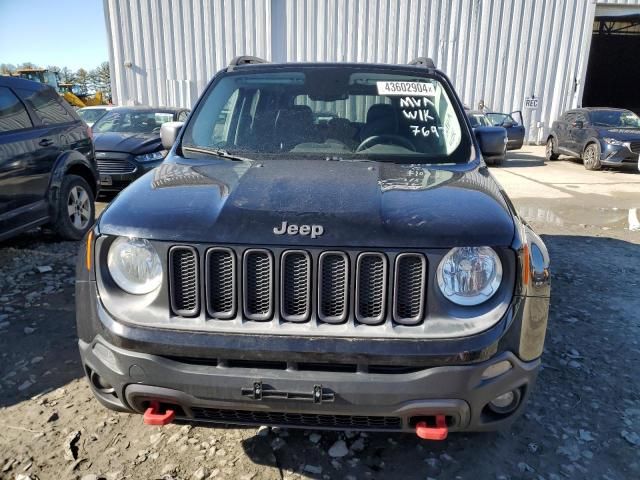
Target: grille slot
{"x":409,"y":287}
{"x":295,"y":286}
{"x":354,"y":422}
{"x":635,"y":147}
{"x":371,"y":287}
{"x":257,"y":274}
{"x":115,"y":166}
{"x":184,"y":281}
{"x":221,"y":283}
{"x":333,"y":287}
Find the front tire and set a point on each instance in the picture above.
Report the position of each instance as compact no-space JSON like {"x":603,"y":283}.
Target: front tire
{"x":591,"y":157}
{"x":76,"y":208}
{"x":550,"y":150}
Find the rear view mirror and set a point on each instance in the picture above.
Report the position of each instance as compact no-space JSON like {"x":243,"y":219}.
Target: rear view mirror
{"x":491,"y":140}
{"x":169,"y":132}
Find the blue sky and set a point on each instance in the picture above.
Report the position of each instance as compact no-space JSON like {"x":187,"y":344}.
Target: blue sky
{"x":67,"y":33}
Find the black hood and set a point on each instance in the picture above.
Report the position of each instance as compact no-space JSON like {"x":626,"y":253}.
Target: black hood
{"x":622,"y":134}
{"x":136,"y":143}
{"x":360,"y":204}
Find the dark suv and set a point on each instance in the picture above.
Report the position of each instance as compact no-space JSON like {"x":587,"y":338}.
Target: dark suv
{"x":323,"y":247}
{"x":48,"y":174}
{"x":599,"y":136}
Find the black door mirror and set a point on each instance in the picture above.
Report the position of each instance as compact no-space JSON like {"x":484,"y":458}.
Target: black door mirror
{"x":507,"y":124}
{"x":491,"y":140}
{"x":169,"y":132}
{"x":577,"y":124}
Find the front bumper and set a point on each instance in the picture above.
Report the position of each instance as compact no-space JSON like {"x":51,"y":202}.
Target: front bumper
{"x":224,"y":393}
{"x":613,"y":155}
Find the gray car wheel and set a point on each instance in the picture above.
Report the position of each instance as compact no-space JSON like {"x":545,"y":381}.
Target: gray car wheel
{"x":550,"y":150}
{"x":591,"y":157}
{"x":76,"y":209}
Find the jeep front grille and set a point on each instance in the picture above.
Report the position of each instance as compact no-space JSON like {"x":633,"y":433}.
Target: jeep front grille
{"x":183,"y":267}
{"x":410,"y":281}
{"x":257,"y":273}
{"x":333,"y":292}
{"x":220,"y":266}
{"x":295,"y":286}
{"x":277,"y":287}
{"x":371,"y":288}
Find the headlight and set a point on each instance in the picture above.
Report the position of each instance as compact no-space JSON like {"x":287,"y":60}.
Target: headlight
{"x":151,"y":157}
{"x":134,"y":265}
{"x":613,"y":141}
{"x":469,"y":275}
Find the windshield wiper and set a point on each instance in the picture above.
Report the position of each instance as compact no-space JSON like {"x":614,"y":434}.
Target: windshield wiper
{"x":218,"y":152}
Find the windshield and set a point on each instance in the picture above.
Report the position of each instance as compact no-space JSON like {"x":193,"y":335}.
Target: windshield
{"x":132,"y":121}
{"x":478,"y":120}
{"x":615,"y":118}
{"x":91,"y":115}
{"x":329,"y":112}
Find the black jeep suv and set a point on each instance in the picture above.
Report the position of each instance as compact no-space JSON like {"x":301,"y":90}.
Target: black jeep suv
{"x":323,"y":248}
{"x":48,"y":173}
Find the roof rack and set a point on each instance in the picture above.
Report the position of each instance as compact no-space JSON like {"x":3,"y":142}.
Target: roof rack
{"x":245,"y":60}
{"x":423,"y":62}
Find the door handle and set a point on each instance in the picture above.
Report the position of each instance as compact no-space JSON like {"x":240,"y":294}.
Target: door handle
{"x":45,"y":142}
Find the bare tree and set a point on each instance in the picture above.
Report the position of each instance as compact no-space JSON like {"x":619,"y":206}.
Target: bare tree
{"x":7,"y":68}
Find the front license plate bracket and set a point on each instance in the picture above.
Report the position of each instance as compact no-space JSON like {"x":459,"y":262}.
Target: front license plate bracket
{"x":260,"y":391}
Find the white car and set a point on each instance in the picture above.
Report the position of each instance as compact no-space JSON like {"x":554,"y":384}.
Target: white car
{"x":92,"y":114}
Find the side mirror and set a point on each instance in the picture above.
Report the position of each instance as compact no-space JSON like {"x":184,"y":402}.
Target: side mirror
{"x":169,"y":132}
{"x":577,"y":124}
{"x":491,"y":140}
{"x":508,"y":124}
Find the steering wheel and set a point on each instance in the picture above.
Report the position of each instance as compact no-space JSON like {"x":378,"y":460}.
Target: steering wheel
{"x":385,"y":139}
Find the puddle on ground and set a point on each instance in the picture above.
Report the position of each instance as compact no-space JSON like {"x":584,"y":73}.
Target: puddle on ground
{"x":567,"y":215}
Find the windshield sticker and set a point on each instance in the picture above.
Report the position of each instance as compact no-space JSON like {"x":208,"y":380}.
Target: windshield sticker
{"x":415,"y":89}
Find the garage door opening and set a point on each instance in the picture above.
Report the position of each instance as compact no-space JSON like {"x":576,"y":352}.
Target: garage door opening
{"x":613,"y":71}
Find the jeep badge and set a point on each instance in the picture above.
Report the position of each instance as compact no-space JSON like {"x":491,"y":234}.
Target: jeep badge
{"x":293,"y":229}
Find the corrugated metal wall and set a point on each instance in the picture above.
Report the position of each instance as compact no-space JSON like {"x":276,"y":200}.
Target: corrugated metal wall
{"x":498,"y":51}
{"x":163,"y":52}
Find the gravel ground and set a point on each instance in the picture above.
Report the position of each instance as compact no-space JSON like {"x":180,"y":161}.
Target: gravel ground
{"x":583,"y":420}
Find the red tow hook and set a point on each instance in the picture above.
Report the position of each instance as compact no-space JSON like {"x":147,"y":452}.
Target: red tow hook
{"x":439,"y":432}
{"x":153,"y":416}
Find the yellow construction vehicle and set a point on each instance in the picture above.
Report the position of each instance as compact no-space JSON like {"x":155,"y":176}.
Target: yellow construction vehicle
{"x":77,"y":98}
{"x":69,"y":91}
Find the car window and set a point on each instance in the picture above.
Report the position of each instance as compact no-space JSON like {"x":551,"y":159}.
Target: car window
{"x":500,"y":118}
{"x":132,"y":121}
{"x":580,"y":117}
{"x":615,"y":118}
{"x":569,"y":117}
{"x":47,"y":106}
{"x":90,"y":115}
{"x":336,"y":112}
{"x":13,"y":114}
{"x":478,"y":120}
{"x":183,"y":116}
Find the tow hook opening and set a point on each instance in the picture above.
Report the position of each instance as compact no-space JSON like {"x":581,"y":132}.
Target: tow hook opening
{"x":157,"y":413}
{"x":433,"y":427}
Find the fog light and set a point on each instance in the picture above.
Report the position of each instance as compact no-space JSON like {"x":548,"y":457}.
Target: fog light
{"x":101,"y":385}
{"x":496,"y":369}
{"x":505,"y":403}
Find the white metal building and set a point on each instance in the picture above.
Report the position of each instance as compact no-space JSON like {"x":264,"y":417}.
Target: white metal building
{"x":163,"y":52}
